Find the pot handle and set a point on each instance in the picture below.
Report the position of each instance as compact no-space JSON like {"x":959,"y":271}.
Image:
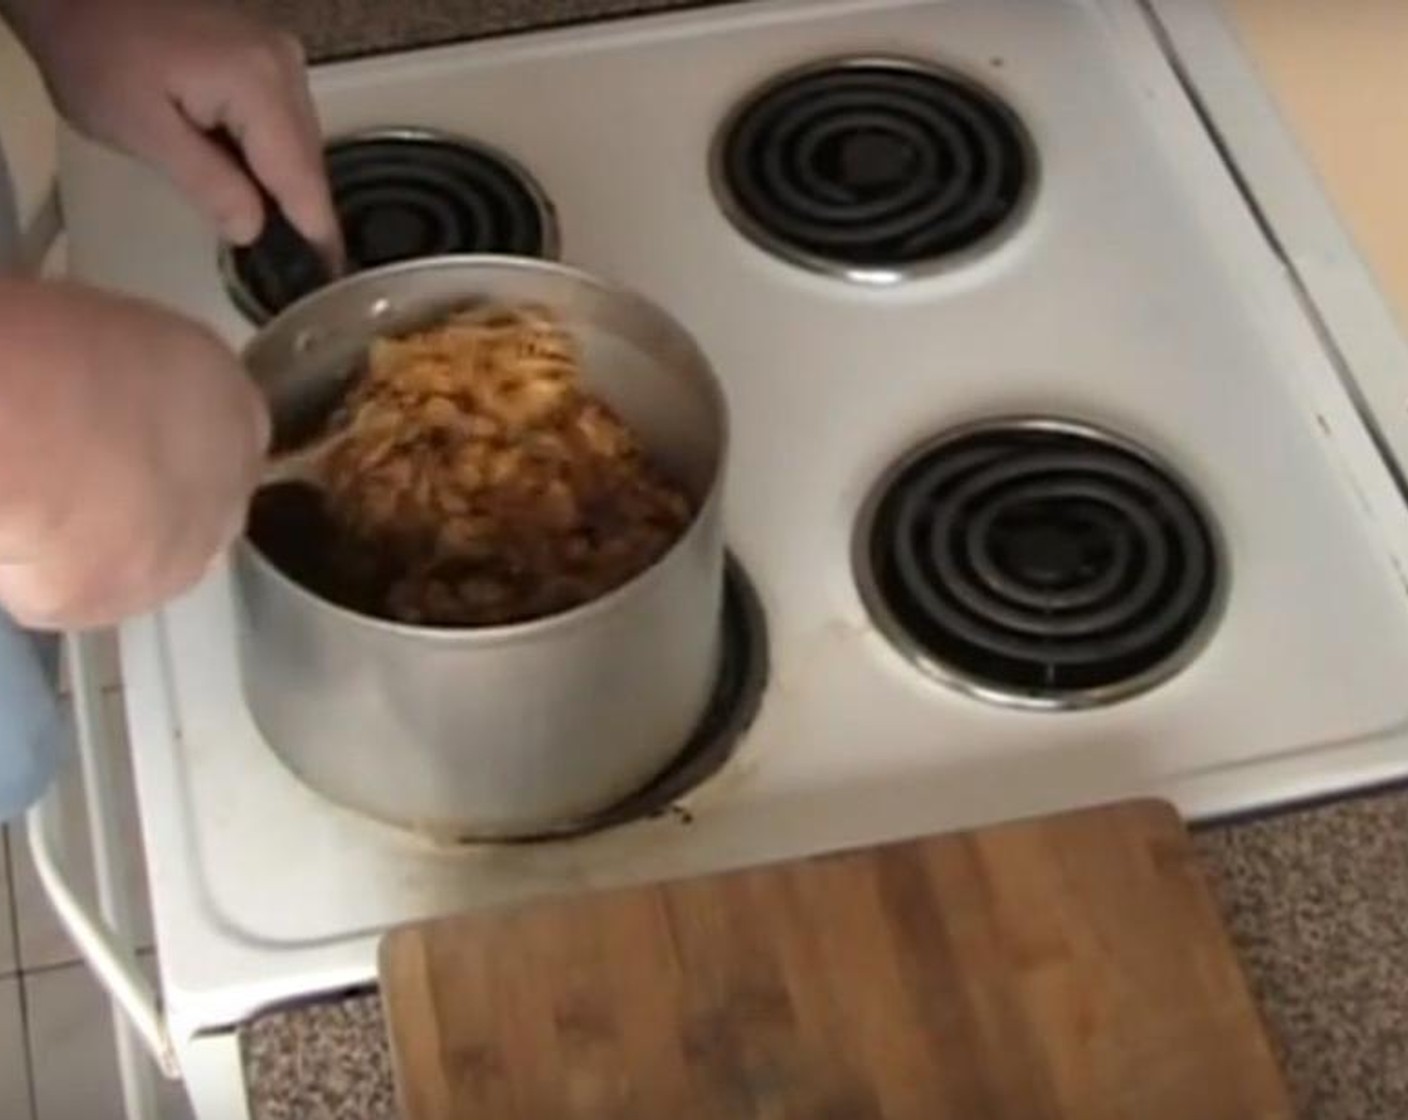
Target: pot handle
{"x":282,"y":258}
{"x":102,"y":938}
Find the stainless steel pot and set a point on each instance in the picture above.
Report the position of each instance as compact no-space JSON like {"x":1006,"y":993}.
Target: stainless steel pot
{"x":509,"y":730}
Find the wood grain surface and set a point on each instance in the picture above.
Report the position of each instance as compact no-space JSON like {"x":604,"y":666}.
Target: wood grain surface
{"x":1073,"y":966}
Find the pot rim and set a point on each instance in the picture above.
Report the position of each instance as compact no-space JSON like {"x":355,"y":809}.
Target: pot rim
{"x":705,"y":511}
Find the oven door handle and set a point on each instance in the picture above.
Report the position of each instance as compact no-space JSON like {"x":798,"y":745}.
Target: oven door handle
{"x":104,"y":938}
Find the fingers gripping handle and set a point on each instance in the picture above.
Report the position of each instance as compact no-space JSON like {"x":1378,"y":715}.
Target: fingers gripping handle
{"x":285,"y":260}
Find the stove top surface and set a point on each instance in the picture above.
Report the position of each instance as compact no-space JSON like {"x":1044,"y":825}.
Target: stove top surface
{"x":997,"y":331}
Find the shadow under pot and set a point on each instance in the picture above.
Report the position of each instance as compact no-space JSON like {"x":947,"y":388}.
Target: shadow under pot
{"x":510,"y":729}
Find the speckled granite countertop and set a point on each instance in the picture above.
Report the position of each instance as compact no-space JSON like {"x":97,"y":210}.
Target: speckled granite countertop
{"x":1317,"y":899}
{"x":336,"y":29}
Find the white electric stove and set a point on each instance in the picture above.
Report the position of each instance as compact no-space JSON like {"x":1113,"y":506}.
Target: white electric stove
{"x":1068,"y":367}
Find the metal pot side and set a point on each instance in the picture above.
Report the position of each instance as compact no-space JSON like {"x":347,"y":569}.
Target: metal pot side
{"x":505,"y":730}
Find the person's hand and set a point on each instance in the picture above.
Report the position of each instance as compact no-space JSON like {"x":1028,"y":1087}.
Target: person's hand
{"x":130,"y":442}
{"x":153,"y":77}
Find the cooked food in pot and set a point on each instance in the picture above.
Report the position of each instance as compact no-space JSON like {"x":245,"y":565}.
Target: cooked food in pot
{"x":475,"y":481}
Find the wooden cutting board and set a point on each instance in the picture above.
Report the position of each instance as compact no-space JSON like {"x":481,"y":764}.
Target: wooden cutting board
{"x":1073,"y":967}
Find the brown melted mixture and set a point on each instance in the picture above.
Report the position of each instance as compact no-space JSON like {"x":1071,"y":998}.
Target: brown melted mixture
{"x":475,"y":482}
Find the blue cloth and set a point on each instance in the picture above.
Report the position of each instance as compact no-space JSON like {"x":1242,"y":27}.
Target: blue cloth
{"x":31,"y":727}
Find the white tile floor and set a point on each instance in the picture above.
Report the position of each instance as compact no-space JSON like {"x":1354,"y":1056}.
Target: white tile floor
{"x":14,"y":1053}
{"x":72,"y":1060}
{"x":9,"y":953}
{"x":40,"y":941}
{"x":57,"y":1055}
